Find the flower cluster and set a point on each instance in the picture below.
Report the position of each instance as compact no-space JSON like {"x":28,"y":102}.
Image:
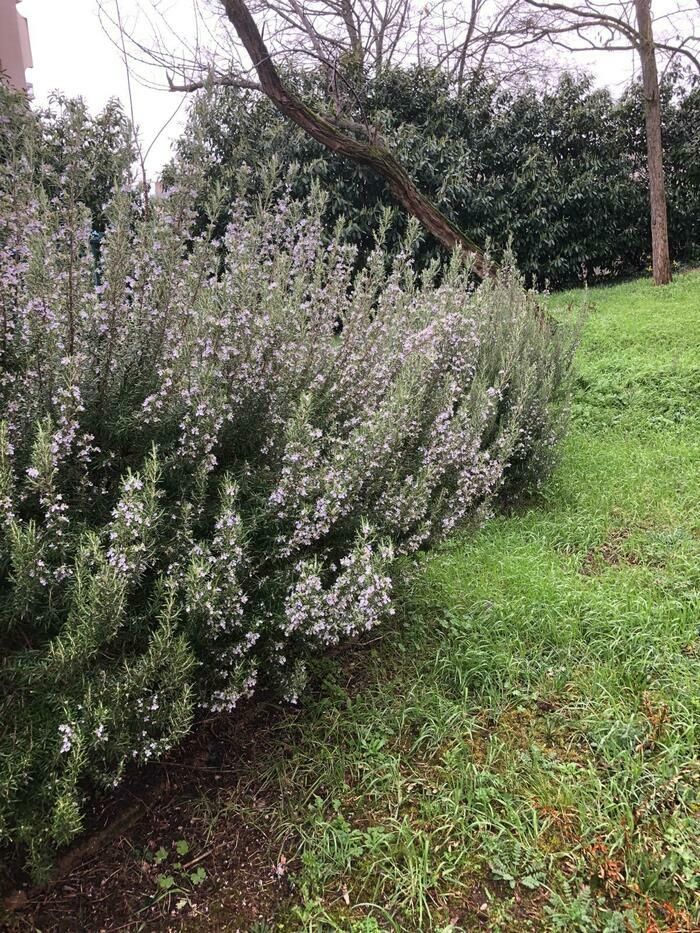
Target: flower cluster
{"x":356,"y":600}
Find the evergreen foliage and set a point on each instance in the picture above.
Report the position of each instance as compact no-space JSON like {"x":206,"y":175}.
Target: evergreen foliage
{"x":562,"y":173}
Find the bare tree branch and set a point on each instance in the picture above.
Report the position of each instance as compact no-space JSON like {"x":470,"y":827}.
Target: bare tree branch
{"x":217,"y":80}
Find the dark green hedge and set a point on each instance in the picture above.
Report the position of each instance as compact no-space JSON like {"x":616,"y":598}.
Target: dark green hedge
{"x":561,"y":172}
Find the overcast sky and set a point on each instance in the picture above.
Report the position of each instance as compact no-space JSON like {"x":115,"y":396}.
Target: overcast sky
{"x":72,"y":53}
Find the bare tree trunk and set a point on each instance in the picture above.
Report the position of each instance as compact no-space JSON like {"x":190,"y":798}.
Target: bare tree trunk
{"x":370,"y":154}
{"x":661,"y":263}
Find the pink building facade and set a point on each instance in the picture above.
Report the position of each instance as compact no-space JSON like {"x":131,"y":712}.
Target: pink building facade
{"x":15,"y":51}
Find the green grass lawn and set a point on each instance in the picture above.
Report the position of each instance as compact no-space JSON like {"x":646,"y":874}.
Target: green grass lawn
{"x":524,"y":754}
{"x":520,"y":752}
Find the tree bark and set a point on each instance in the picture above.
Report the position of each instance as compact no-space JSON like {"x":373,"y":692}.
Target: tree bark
{"x":370,"y":154}
{"x":661,"y":262}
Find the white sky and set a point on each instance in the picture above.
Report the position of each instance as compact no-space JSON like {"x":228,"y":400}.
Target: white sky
{"x":73,"y":54}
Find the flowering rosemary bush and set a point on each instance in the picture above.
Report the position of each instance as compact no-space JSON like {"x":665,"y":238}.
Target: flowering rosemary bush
{"x":211,"y":453}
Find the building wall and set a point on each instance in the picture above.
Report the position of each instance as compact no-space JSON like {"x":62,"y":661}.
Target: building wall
{"x":15,"y":51}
